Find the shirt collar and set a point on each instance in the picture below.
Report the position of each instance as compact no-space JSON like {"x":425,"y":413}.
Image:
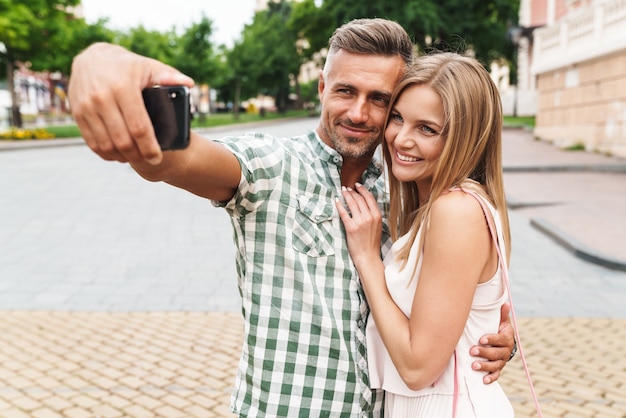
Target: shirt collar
{"x":330,"y":155}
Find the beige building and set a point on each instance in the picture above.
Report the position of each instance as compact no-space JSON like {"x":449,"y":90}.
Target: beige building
{"x":576,"y":63}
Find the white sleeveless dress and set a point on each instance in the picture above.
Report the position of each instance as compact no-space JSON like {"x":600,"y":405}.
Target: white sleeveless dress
{"x":476,"y":400}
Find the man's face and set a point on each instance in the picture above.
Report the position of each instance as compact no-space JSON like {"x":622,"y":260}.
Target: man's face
{"x":355,"y":95}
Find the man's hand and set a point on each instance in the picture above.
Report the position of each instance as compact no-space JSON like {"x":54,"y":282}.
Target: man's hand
{"x":105,"y":98}
{"x":496,"y":348}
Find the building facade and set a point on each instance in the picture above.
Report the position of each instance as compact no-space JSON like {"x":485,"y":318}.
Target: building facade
{"x":575,"y":60}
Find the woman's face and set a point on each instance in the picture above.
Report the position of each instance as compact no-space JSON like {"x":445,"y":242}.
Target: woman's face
{"x":413,"y":135}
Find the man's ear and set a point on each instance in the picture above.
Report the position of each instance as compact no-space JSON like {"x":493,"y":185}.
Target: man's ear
{"x":320,"y":85}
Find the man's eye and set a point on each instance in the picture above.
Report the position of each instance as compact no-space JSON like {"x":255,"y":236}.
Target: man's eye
{"x":381,"y":101}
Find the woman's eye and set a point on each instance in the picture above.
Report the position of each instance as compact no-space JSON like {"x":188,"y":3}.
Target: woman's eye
{"x":396,"y":117}
{"x":428,"y":130}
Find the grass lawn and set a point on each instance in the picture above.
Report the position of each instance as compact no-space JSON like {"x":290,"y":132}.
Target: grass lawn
{"x":519,"y":121}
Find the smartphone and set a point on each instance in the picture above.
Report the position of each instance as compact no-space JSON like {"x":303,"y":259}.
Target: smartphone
{"x":169,"y":110}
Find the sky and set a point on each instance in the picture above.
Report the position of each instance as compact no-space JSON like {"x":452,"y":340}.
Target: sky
{"x":228,"y":16}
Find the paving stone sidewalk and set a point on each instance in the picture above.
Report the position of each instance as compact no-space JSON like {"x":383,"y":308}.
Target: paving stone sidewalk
{"x":95,"y":364}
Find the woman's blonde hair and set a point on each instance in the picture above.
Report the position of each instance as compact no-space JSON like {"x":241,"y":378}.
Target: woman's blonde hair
{"x":472,"y":135}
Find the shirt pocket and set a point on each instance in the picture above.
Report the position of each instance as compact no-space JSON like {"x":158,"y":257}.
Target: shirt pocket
{"x":313,"y":229}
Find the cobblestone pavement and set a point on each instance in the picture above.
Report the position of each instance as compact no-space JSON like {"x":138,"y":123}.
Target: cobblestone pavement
{"x":118,"y":296}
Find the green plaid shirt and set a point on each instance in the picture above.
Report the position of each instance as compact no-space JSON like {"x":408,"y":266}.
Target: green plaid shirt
{"x":304,"y":310}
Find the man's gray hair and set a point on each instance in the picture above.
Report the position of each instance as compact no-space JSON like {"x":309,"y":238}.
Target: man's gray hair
{"x":375,"y":36}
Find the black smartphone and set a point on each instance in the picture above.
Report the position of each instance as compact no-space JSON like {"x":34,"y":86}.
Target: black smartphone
{"x":169,"y":110}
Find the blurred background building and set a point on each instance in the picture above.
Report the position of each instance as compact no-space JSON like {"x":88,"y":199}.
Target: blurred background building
{"x":572,"y":59}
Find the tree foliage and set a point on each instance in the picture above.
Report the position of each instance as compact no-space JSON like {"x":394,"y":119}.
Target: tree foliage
{"x":150,"y":43}
{"x":196,"y":55}
{"x":266,"y":60}
{"x":476,"y":25}
{"x":28,"y":25}
{"x":43,"y":34}
{"x":267,"y":57}
{"x":479,"y":26}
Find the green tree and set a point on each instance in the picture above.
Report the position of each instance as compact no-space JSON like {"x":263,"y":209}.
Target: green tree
{"x":196,"y":55}
{"x":479,"y":26}
{"x":308,"y":22}
{"x":224,"y":79}
{"x":243,"y":71}
{"x":266,"y":60}
{"x":80,"y":34}
{"x":150,"y":43}
{"x":30,"y":31}
{"x":68,"y":39}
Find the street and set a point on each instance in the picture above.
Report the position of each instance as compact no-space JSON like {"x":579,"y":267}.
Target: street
{"x":80,"y":233}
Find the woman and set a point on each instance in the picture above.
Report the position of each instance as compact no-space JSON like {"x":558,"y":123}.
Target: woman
{"x":441,"y":285}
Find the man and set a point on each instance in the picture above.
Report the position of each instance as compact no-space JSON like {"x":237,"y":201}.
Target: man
{"x":304,"y":311}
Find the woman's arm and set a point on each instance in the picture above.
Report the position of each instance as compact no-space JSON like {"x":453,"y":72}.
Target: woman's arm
{"x":457,"y":255}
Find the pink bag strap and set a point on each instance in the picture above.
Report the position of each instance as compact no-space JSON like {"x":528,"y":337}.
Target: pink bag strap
{"x":505,"y":275}
{"x":455,"y":401}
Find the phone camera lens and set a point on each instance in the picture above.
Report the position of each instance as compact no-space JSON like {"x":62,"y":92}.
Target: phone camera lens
{"x":173,"y":95}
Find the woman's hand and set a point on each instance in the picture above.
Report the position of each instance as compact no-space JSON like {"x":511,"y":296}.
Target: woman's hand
{"x":363,"y":223}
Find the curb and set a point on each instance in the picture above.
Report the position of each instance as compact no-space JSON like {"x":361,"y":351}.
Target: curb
{"x":576,"y":247}
{"x":17,"y":145}
{"x":601,"y":168}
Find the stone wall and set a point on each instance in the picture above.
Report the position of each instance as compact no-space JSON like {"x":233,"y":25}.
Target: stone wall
{"x":585,"y":104}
